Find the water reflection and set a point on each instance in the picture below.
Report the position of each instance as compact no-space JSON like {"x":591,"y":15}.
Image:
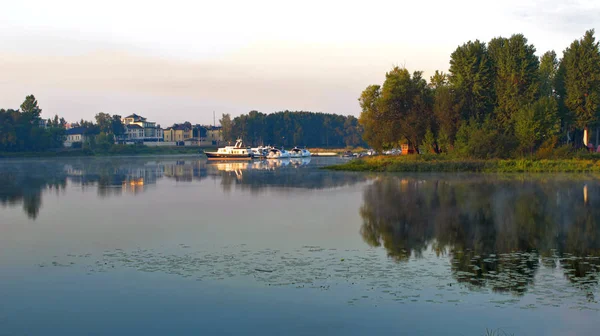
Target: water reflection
{"x":24,"y":183}
{"x":497,"y":232}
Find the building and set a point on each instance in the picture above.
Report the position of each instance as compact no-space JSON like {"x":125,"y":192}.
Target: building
{"x":74,"y":135}
{"x":214,"y":134}
{"x":177,"y":133}
{"x":134,"y":132}
{"x":151,"y":131}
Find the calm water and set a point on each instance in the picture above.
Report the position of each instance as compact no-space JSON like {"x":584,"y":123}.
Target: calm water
{"x":159,"y":246}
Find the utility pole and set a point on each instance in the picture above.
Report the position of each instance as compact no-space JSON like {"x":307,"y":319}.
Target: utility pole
{"x":214,"y":120}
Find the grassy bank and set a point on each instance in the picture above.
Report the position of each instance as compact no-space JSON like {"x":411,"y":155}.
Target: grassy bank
{"x":432,"y":163}
{"x":115,"y":150}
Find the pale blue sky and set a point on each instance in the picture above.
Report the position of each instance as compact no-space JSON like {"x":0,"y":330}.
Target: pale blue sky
{"x":180,"y":60}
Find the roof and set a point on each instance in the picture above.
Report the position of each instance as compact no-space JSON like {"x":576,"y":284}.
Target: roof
{"x":133,"y":126}
{"x":136,"y":117}
{"x":75,"y":130}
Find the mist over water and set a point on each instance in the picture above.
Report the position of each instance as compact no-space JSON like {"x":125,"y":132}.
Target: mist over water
{"x":182,"y":245}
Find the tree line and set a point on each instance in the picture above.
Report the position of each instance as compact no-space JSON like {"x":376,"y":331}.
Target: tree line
{"x":497,"y":99}
{"x":289,"y":129}
{"x":23,"y":129}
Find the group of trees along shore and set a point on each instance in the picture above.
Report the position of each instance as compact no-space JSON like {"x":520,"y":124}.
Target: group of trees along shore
{"x":24,"y":130}
{"x":290,"y":129}
{"x":20,"y":130}
{"x":498,"y":99}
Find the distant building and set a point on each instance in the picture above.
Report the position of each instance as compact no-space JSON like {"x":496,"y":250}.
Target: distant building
{"x":214,"y":134}
{"x":134,"y":132}
{"x":151,"y":132}
{"x":177,"y":133}
{"x":74,"y":135}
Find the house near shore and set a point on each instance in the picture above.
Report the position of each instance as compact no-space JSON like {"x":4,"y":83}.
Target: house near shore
{"x":75,"y":135}
{"x":139,"y":129}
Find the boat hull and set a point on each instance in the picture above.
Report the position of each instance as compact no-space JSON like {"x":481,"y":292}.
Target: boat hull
{"x":224,"y":156}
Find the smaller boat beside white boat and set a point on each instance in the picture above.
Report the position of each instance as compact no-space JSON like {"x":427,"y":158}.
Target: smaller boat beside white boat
{"x":299,"y":152}
{"x":276,"y":153}
{"x":260,"y":152}
{"x":236,"y":152}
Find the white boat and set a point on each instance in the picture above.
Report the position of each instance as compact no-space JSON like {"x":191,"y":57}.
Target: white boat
{"x":276,"y":153}
{"x":237,"y":152}
{"x":260,"y":152}
{"x":299,"y":152}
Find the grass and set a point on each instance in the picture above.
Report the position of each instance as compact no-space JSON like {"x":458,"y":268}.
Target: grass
{"x":438,"y":163}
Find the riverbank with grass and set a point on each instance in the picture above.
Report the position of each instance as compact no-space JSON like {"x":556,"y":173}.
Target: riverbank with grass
{"x":115,"y":150}
{"x":438,"y":163}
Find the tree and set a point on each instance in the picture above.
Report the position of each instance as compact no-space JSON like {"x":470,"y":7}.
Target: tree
{"x":439,"y":79}
{"x":405,"y":106}
{"x":371,"y":118}
{"x":226,"y":124}
{"x":117,"y":128}
{"x":581,"y":61}
{"x":30,"y":106}
{"x":104,"y":122}
{"x":471,"y":76}
{"x":548,"y":69}
{"x":536,"y":123}
{"x":517,"y":77}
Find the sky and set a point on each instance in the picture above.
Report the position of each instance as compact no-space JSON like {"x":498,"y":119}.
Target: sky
{"x":174,"y":61}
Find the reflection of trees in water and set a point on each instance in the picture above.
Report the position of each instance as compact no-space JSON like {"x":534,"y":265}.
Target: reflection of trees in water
{"x":497,"y":231}
{"x":24,"y":184}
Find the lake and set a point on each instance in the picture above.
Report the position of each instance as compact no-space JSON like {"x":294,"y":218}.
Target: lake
{"x":179,"y":245}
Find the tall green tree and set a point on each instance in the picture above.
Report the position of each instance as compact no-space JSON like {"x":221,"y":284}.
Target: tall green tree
{"x":472,"y":77}
{"x":227,"y":125}
{"x":371,"y":118}
{"x":581,"y":62}
{"x":104,"y":122}
{"x":548,"y":70}
{"x":516,"y":69}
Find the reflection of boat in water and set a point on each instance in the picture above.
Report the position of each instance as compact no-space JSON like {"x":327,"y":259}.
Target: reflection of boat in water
{"x":299,"y":152}
{"x":237,"y":152}
{"x":300,"y":162}
{"x":276,"y":153}
{"x":278,"y":163}
{"x":232,"y":166}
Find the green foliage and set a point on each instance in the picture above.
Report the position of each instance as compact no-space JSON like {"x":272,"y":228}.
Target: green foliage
{"x":535,"y":123}
{"x":581,"y":61}
{"x":483,"y":141}
{"x":21,"y":130}
{"x":300,"y":128}
{"x":399,"y":111}
{"x":547,"y":75}
{"x":226,"y":125}
{"x":429,"y":143}
{"x":517,"y":76}
{"x":472,"y":76}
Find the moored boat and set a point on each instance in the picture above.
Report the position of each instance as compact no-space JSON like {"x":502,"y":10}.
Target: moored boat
{"x":276,"y":153}
{"x":236,"y":152}
{"x":299,"y":152}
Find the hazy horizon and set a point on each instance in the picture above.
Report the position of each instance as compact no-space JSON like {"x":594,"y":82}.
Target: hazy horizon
{"x":183,"y":61}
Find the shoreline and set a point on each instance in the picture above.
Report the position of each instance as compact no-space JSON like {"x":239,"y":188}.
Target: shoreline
{"x":446,"y":165}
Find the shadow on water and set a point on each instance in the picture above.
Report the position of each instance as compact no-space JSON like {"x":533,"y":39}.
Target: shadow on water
{"x":496,"y":231}
{"x":24,"y":182}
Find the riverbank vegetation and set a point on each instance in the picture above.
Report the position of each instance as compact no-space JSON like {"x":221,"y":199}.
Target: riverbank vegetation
{"x":498,"y":101}
{"x":432,"y":163}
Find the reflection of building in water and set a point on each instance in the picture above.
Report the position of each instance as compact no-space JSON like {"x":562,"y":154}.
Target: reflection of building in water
{"x":113,"y":180}
{"x":186,"y":171}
